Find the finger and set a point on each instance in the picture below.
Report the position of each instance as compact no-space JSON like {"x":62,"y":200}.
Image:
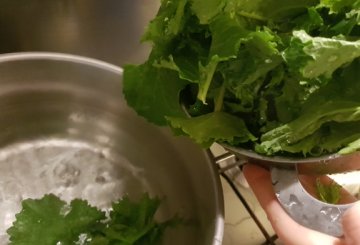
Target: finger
{"x":351,"y":225}
{"x":290,"y":232}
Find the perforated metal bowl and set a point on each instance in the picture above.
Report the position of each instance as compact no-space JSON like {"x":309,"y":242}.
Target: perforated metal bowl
{"x":296,"y":201}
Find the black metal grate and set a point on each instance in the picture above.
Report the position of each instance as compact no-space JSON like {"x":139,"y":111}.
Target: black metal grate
{"x":223,"y":171}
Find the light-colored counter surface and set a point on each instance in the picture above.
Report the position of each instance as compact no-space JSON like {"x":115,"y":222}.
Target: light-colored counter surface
{"x":240,"y":228}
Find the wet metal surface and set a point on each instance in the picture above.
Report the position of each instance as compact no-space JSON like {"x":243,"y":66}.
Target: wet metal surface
{"x":303,"y":208}
{"x":62,"y":116}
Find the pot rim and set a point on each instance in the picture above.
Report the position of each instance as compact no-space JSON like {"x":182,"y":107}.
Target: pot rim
{"x":39,"y":55}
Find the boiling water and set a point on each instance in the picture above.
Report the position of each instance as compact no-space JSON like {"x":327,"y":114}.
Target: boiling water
{"x":67,"y":169}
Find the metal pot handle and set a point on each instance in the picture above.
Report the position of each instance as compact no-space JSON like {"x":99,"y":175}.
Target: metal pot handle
{"x":302,"y":207}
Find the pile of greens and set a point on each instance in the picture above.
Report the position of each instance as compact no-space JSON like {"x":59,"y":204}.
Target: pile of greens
{"x":281,"y":77}
{"x":51,"y":221}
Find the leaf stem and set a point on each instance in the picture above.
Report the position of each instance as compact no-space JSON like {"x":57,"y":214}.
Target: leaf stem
{"x":219,"y":99}
{"x":205,"y":79}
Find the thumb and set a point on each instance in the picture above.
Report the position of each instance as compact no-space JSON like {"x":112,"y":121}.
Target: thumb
{"x":351,"y":225}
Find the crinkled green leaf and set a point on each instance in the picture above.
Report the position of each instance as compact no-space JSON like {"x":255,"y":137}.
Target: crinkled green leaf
{"x":206,"y":10}
{"x":245,"y":75}
{"x":133,"y":222}
{"x":310,"y":121}
{"x":168,"y":22}
{"x":185,"y":65}
{"x":227,"y":35}
{"x":284,"y":9}
{"x":49,"y":220}
{"x":336,"y":6}
{"x":308,"y":54}
{"x":277,"y":10}
{"x":346,"y":26}
{"x":340,"y":135}
{"x":309,"y":21}
{"x":329,"y":138}
{"x":351,"y":147}
{"x":160,"y":89}
{"x":279,"y":66}
{"x":217,"y":126}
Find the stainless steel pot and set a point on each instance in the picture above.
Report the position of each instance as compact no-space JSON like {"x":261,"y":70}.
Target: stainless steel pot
{"x":108,"y":30}
{"x":66,"y":129}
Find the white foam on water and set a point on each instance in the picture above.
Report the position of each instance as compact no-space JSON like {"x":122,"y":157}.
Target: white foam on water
{"x":65,"y":168}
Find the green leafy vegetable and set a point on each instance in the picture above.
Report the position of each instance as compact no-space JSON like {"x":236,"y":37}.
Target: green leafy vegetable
{"x":133,"y":222}
{"x":336,"y":6}
{"x":217,"y":126}
{"x":280,"y":77}
{"x":329,"y":193}
{"x":309,"y":54}
{"x":161,"y":91}
{"x":50,"y":221}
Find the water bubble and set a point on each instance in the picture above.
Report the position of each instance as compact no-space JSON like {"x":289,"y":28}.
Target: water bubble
{"x":104,"y":177}
{"x":68,"y":170}
{"x":66,"y":174}
{"x":100,"y":179}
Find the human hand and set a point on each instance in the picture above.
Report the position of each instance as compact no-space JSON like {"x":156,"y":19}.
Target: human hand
{"x":290,"y":232}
